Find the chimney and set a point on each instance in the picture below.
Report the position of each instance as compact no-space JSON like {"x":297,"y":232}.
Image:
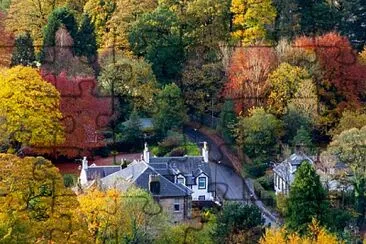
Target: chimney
{"x":146,"y":154}
{"x":205,"y":152}
{"x":154,"y":184}
{"x":84,"y":164}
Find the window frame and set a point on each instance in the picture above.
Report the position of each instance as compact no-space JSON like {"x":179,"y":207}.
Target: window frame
{"x":176,"y":204}
{"x":205,"y":182}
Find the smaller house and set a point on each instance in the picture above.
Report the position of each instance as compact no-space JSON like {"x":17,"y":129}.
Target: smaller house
{"x":284,"y":173}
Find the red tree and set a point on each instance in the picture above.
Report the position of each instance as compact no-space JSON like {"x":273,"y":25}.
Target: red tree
{"x":6,"y":43}
{"x":342,"y":82}
{"x":247,"y":74}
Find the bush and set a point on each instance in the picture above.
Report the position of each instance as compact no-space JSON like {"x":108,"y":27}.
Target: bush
{"x":267,"y":182}
{"x":69,"y":180}
{"x":255,"y":170}
{"x":267,"y":197}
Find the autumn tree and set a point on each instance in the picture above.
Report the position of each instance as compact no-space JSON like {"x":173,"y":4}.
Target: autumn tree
{"x":258,"y":134}
{"x":349,"y":120}
{"x":30,"y":109}
{"x":35,"y":205}
{"x":31,"y":16}
{"x":307,"y":200}
{"x":341,"y":85}
{"x":170,"y":110}
{"x":247,"y":73}
{"x":283,"y":84}
{"x":251,"y":20}
{"x":317,"y":235}
{"x":23,"y":52}
{"x":156,"y":38}
{"x":350,"y":147}
{"x":6,"y":42}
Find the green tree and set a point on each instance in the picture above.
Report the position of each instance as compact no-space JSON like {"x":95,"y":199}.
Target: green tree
{"x":307,"y":200}
{"x":155,"y":37}
{"x":130,"y":131}
{"x":286,"y":23}
{"x":250,"y":20}
{"x":170,"y":109}
{"x":85,"y":40}
{"x":58,"y":18}
{"x":293,"y":120}
{"x":23,"y":52}
{"x":227,"y":121}
{"x":258,"y":134}
{"x":350,"y":147}
{"x":237,"y":219}
{"x":29,"y":111}
{"x":349,"y":120}
{"x":303,"y":138}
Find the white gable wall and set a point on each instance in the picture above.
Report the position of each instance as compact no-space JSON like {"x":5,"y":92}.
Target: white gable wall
{"x":201,"y":192}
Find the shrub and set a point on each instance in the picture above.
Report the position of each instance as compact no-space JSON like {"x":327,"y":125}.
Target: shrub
{"x":69,"y":180}
{"x":267,"y":182}
{"x":255,"y":170}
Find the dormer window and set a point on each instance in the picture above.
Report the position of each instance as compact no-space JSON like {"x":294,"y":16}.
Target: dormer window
{"x":201,"y":182}
{"x":181,"y":180}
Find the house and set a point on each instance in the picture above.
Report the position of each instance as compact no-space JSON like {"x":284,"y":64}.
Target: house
{"x":284,"y":173}
{"x":174,"y":182}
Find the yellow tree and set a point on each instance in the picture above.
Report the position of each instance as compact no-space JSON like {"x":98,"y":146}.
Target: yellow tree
{"x":251,"y":19}
{"x":29,"y":109}
{"x":35,"y":206}
{"x":31,"y":16}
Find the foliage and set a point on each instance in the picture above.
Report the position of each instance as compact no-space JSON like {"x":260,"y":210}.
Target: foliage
{"x":247,"y":73}
{"x":349,"y":120}
{"x":130,"y":131}
{"x":35,"y":205}
{"x":85,"y":40}
{"x":6,"y":42}
{"x":132,"y":79}
{"x":250,"y":20}
{"x":284,"y":82}
{"x":113,"y":216}
{"x":155,"y":37}
{"x":69,"y":180}
{"x":29,"y":111}
{"x":350,"y":147}
{"x":227,"y":121}
{"x":303,"y":138}
{"x":31,"y":16}
{"x":238,"y":219}
{"x":170,"y":109}
{"x":307,"y":200}
{"x":23,"y":52}
{"x":258,"y":134}
{"x":317,"y":235}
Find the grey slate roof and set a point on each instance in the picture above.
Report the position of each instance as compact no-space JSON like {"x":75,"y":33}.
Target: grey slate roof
{"x":137,"y":173}
{"x":99,"y":172}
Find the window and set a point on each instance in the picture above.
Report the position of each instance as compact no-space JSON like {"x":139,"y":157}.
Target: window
{"x":176,"y":205}
{"x":201,"y":198}
{"x":180,"y":180}
{"x":201,"y":182}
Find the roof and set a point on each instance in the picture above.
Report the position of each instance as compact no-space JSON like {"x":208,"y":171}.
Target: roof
{"x":138,"y":173}
{"x":99,"y":172}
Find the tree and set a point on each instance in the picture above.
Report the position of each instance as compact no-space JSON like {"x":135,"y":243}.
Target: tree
{"x":23,"y":52}
{"x":34,"y":203}
{"x":59,"y":18}
{"x":133,"y":82}
{"x":287,"y":19}
{"x":336,"y":89}
{"x":238,"y":219}
{"x":350,"y":147}
{"x":29,"y":111}
{"x":6,"y":42}
{"x":352,"y":22}
{"x":114,"y":216}
{"x":283,"y":84}
{"x":130,"y":131}
{"x":31,"y":16}
{"x":155,"y":37}
{"x":307,"y":200}
{"x":318,"y":235}
{"x":247,"y":73}
{"x":349,"y":120}
{"x":258,"y":134}
{"x":250,"y":20}
{"x":303,"y":139}
{"x":227,"y":121}
{"x":170,"y":110}
{"x":4,"y":5}
{"x":85,"y":39}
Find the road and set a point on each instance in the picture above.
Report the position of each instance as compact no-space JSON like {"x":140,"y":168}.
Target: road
{"x":230,"y":185}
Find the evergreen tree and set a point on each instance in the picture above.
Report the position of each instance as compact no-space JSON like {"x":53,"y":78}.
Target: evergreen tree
{"x":307,"y":200}
{"x":85,"y":42}
{"x":227,"y":121}
{"x":131,"y":130}
{"x":303,"y":138}
{"x":23,"y":52}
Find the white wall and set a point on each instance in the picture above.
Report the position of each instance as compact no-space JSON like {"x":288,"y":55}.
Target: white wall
{"x":201,"y":192}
